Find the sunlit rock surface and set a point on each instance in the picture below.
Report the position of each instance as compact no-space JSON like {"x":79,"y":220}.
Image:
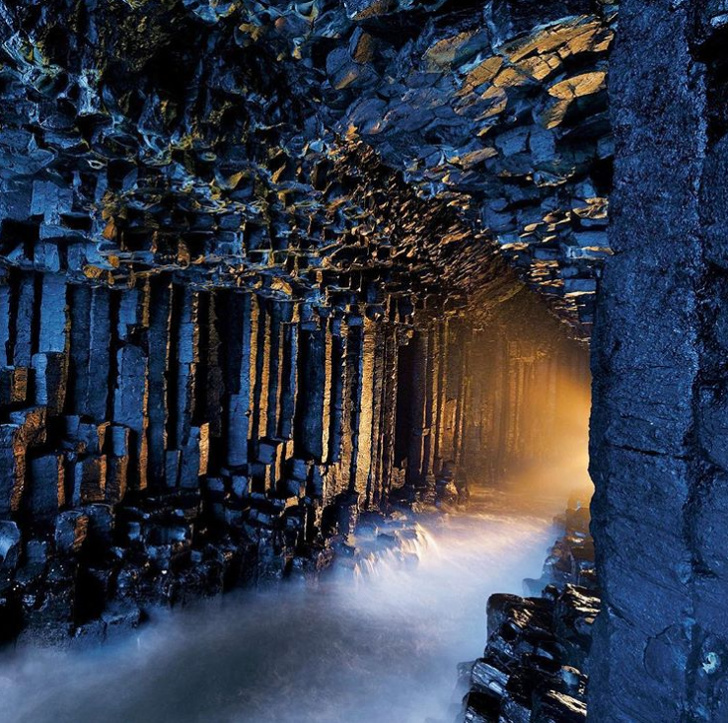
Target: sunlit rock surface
{"x":250,"y":256}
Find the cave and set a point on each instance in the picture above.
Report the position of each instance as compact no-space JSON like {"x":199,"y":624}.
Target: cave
{"x":314,"y":316}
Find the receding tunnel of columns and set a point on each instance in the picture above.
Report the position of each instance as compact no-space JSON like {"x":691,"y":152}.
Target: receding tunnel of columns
{"x":528,"y":400}
{"x":251,"y":334}
{"x":252,"y":439}
{"x":249,"y":396}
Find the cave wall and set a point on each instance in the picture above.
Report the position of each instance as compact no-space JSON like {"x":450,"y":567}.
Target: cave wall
{"x":659,"y":417}
{"x":161,"y":440}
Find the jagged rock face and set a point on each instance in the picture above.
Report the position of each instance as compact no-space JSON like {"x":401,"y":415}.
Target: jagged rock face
{"x":167,"y":439}
{"x":535,"y":663}
{"x":221,"y":139}
{"x":123,"y":169}
{"x":659,"y":420}
{"x":506,"y":119}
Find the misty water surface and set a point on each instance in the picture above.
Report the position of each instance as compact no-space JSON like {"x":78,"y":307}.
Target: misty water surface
{"x":379,"y":649}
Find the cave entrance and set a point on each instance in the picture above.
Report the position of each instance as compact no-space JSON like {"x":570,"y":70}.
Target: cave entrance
{"x":528,"y":403}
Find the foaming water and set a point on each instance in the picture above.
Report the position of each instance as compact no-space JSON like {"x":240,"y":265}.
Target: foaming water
{"x":377,"y":646}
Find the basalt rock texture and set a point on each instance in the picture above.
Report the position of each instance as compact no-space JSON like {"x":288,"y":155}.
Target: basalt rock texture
{"x":165,"y":440}
{"x":232,"y":141}
{"x":509,"y":121}
{"x":659,"y":421}
{"x":249,"y":258}
{"x":166,"y":437}
{"x":535,"y":665}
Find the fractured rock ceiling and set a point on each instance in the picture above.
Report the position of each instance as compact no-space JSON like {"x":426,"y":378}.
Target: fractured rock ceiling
{"x":299,"y":148}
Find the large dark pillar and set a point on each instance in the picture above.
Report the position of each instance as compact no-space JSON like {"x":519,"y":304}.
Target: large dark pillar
{"x":660,"y":420}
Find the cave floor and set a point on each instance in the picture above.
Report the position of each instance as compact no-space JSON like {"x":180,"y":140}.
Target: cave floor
{"x":377,"y":647}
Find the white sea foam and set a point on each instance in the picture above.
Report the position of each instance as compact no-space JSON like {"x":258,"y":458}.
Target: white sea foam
{"x":382,"y":649}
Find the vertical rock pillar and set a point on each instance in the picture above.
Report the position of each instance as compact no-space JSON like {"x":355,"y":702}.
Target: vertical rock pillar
{"x":660,"y":420}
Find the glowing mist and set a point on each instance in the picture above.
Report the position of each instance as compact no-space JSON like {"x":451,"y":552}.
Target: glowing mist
{"x":383,"y":648}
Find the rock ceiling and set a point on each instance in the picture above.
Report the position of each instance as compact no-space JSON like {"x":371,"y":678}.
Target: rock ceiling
{"x":305,"y":148}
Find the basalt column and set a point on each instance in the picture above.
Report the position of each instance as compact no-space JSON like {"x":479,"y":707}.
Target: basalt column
{"x":660,"y":417}
{"x":163,"y":438}
{"x":528,"y":396}
{"x":434,"y":377}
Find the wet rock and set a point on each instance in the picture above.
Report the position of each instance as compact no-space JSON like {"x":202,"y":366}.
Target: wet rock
{"x":485,"y":676}
{"x":480,"y":708}
{"x":10,"y":545}
{"x":555,"y":707}
{"x":47,"y":482}
{"x":571,"y":559}
{"x":535,"y":662}
{"x":71,"y":531}
{"x":575,"y":611}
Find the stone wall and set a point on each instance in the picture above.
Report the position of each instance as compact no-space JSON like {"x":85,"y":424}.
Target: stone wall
{"x":659,"y":419}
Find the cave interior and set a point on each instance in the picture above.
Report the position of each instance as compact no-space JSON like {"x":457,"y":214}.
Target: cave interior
{"x":270,"y":268}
